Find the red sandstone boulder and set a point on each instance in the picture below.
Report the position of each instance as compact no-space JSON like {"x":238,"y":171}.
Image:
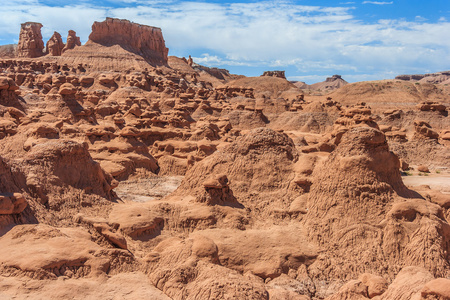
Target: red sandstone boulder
{"x":423,"y":130}
{"x":436,"y":289}
{"x":431,"y":106}
{"x":423,"y":168}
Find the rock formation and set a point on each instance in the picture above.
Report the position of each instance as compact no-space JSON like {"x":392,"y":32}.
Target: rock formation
{"x":146,"y":41}
{"x":280,"y":74}
{"x":8,"y":51}
{"x":146,"y":176}
{"x":30,"y":40}
{"x":439,"y":77}
{"x":72,"y":41}
{"x":330,"y":84}
{"x":55,"y":45}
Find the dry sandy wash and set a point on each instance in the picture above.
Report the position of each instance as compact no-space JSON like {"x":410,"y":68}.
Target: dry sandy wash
{"x":126,"y":173}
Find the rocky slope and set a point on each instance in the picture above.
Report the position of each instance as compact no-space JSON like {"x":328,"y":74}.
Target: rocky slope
{"x":329,"y":85}
{"x":282,"y":196}
{"x":436,"y":78}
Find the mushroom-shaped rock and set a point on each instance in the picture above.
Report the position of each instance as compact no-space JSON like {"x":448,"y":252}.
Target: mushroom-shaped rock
{"x":216,"y":182}
{"x":7,"y":83}
{"x":67,"y":89}
{"x":86,"y":80}
{"x":135,"y":110}
{"x":106,"y":79}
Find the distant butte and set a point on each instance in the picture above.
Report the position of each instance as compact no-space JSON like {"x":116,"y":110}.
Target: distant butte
{"x":143,"y":40}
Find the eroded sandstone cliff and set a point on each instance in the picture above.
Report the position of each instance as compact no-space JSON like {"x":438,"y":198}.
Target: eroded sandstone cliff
{"x":143,"y":40}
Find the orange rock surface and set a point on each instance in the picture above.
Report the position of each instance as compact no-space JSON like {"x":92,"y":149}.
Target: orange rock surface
{"x":127,"y":173}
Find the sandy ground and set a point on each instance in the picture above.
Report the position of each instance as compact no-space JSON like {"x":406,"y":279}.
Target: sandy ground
{"x":147,"y":189}
{"x":440,"y":182}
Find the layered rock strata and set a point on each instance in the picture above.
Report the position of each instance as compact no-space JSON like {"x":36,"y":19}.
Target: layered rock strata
{"x":55,"y":45}
{"x":30,"y":40}
{"x":146,"y":41}
{"x":72,"y":41}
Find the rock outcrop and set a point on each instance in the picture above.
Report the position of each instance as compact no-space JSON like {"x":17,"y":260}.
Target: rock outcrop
{"x":30,"y":40}
{"x":72,"y":41}
{"x":143,"y":40}
{"x":8,"y":51}
{"x":280,"y":74}
{"x":55,"y":45}
{"x":330,"y":84}
{"x":436,"y":78}
{"x":230,"y":186}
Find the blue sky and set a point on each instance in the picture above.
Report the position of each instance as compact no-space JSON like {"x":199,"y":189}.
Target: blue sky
{"x":310,"y":40}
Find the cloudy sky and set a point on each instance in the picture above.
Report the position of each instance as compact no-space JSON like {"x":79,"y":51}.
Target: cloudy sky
{"x":311,"y":40}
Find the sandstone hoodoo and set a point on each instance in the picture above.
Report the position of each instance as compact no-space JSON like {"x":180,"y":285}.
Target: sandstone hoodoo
{"x":126,"y":172}
{"x":55,"y":45}
{"x":72,"y":41}
{"x":143,"y":40}
{"x":31,"y":44}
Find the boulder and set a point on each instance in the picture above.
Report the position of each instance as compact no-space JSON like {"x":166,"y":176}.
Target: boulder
{"x":423,"y":168}
{"x":437,"y":289}
{"x":67,"y":89}
{"x":423,"y":130}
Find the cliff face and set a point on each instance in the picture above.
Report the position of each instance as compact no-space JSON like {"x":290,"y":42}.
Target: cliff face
{"x":434,"y":78}
{"x":30,"y":40}
{"x":143,"y":40}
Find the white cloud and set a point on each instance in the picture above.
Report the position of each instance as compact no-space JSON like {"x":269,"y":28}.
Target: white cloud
{"x":420,"y":19}
{"x":61,"y":19}
{"x":303,"y":39}
{"x":378,"y":2}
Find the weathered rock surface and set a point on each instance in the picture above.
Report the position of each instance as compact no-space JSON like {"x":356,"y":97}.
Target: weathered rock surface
{"x":72,"y":41}
{"x":30,"y":40}
{"x":283,"y":194}
{"x":144,"y":40}
{"x":55,"y":45}
{"x":280,"y":74}
{"x":8,"y":51}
